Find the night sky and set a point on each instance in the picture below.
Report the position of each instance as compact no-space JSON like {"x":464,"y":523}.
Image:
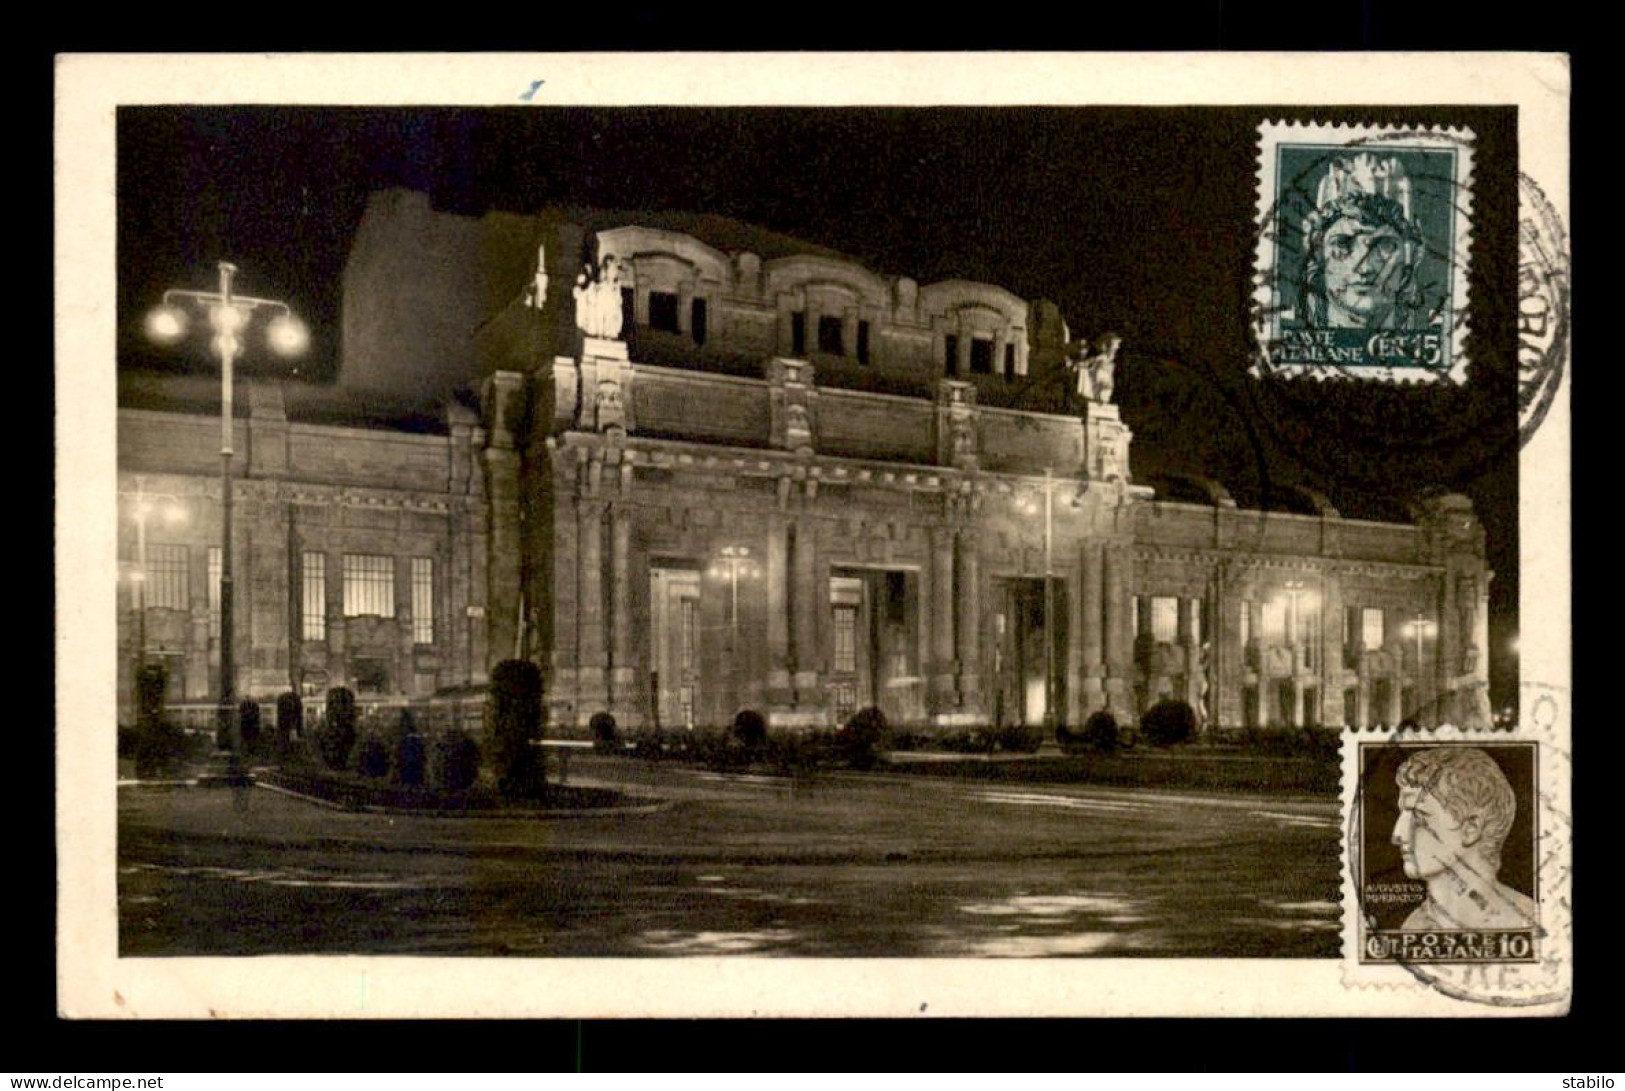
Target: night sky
{"x":1134,"y":220}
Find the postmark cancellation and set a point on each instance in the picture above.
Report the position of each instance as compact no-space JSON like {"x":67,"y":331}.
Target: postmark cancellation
{"x":1361,"y":265}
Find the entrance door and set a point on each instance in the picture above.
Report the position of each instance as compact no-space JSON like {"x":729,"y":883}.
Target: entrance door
{"x":1021,"y":631}
{"x":675,"y":644}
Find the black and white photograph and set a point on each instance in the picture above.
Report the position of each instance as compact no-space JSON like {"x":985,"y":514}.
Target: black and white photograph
{"x":842,"y":538}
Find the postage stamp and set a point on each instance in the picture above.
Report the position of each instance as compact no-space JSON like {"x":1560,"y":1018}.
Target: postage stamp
{"x":1456,"y":864}
{"x":1361,"y":268}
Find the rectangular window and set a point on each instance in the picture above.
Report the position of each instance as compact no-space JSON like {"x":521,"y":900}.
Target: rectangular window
{"x":369,"y":585}
{"x":846,"y":639}
{"x":1309,"y":634}
{"x":830,"y":335}
{"x":981,"y":355}
{"x":1371,"y":634}
{"x":313,"y":596}
{"x":697,"y":320}
{"x":663,"y":311}
{"x":1274,"y":621}
{"x":1351,"y":637}
{"x":863,"y":341}
{"x":214,"y":587}
{"x":166,"y":582}
{"x":687,"y":634}
{"x":798,"y":333}
{"x":1246,"y":623}
{"x":629,"y":309}
{"x":1010,"y":362}
{"x":423,"y":600}
{"x":950,"y":353}
{"x":1164,"y":619}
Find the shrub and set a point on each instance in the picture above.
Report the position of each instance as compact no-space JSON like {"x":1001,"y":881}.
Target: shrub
{"x":372,"y":757}
{"x":1020,"y":738}
{"x":1168,"y":723}
{"x":156,"y":744}
{"x":516,"y":720}
{"x":337,"y":736}
{"x":411,"y":759}
{"x":248,"y":725}
{"x":151,"y":681}
{"x":861,"y":738}
{"x":1101,"y":733}
{"x":456,"y":762}
{"x":749,"y":729}
{"x":605,"y":736}
{"x":290,"y":720}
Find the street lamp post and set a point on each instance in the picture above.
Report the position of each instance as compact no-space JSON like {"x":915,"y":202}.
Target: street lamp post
{"x":229,"y":315}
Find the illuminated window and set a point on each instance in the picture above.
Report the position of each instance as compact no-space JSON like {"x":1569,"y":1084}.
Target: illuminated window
{"x":1371,"y":634}
{"x":369,"y":585}
{"x":846,"y":639}
{"x":214,"y":586}
{"x":1246,"y":624}
{"x":1309,"y":634}
{"x":313,"y":596}
{"x":686,"y":632}
{"x":1164,"y":619}
{"x":166,"y":577}
{"x":422,"y":600}
{"x":1274,"y":621}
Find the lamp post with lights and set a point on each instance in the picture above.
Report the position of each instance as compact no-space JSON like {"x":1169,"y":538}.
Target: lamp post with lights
{"x":229,"y":315}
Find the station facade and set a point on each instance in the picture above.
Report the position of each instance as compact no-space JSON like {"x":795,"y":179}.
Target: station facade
{"x":689,"y":480}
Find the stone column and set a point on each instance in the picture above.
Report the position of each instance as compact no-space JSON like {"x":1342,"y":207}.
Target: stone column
{"x":970,"y":622}
{"x":1396,"y":696}
{"x":685,"y":307}
{"x":1119,"y":638}
{"x":591,"y":689}
{"x":849,"y":333}
{"x":804,"y":610}
{"x":623,"y":679}
{"x":1091,"y":633}
{"x":963,"y":370}
{"x":1188,"y":645}
{"x":943,"y":696}
{"x":778,"y":612}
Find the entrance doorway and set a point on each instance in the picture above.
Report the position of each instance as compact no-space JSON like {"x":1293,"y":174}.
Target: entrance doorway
{"x":873,"y":655}
{"x":1021,"y":633}
{"x":674,"y":645}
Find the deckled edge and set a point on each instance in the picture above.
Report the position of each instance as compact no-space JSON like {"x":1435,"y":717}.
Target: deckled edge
{"x":1271,"y":133}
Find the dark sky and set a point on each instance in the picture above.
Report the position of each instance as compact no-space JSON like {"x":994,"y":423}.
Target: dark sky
{"x":1136,"y":220}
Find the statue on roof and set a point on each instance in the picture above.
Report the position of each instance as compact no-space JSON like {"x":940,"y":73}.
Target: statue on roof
{"x":598,"y":300}
{"x":1095,"y":370}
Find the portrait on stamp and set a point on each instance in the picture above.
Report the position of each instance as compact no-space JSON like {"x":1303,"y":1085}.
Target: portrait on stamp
{"x":1363,"y":240}
{"x":1448,"y":862}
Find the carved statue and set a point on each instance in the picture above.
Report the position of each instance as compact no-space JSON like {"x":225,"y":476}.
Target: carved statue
{"x":598,"y":300}
{"x":963,"y":440}
{"x":1095,"y":372}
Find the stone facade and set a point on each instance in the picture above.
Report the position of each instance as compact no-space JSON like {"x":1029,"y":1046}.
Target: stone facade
{"x":791,"y":485}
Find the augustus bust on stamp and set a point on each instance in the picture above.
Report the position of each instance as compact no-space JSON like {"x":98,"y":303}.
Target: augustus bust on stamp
{"x":1455,"y":811}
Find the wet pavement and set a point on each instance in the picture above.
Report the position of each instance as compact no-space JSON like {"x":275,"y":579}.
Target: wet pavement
{"x":836,"y":864}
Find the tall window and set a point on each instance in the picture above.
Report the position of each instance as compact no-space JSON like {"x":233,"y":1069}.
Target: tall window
{"x":846,"y":639}
{"x":798,"y":333}
{"x":1274,"y":621}
{"x":663,"y":311}
{"x":166,"y":577}
{"x":950,"y":347}
{"x":687,"y":633}
{"x":1351,"y":638}
{"x":214,"y":586}
{"x":697,"y":321}
{"x":1009,"y":361}
{"x":422,"y":600}
{"x":981,"y":355}
{"x":830,"y":338}
{"x":369,"y":585}
{"x":1164,"y":619}
{"x":1371,"y":633}
{"x":863,"y":341}
{"x":1246,"y":623}
{"x":313,"y":596}
{"x":1309,"y":635}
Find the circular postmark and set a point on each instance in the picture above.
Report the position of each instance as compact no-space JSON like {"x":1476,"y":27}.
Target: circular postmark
{"x":1543,"y":306}
{"x":1485,"y":926}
